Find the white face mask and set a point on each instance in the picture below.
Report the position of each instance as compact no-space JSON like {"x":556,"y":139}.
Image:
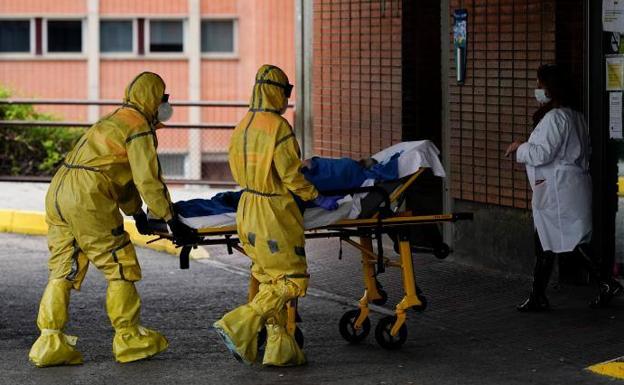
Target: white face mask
{"x":540,"y":96}
{"x":165,"y":111}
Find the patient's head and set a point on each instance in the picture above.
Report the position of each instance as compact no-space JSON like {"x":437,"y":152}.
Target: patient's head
{"x":367,"y":162}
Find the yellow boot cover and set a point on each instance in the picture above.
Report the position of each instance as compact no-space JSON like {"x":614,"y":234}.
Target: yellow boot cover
{"x":239,"y":330}
{"x":240,"y":327}
{"x":281,"y":348}
{"x":132,"y":341}
{"x":53,"y":347}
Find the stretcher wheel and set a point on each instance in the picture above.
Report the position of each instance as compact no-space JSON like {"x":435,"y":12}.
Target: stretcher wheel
{"x":383,"y":336}
{"x":384,"y":298}
{"x":262,"y":336}
{"x":442,"y":251}
{"x":347,"y":327}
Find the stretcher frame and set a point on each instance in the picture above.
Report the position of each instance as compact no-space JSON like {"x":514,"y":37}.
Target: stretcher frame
{"x":391,"y":332}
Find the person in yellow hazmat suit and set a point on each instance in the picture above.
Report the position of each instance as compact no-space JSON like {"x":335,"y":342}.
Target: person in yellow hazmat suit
{"x":265,"y":161}
{"x":111,"y":167}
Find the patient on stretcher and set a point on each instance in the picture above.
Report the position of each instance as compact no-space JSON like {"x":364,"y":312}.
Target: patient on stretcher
{"x":326,"y":174}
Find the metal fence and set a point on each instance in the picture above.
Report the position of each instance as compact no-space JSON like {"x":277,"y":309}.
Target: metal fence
{"x":191,"y":152}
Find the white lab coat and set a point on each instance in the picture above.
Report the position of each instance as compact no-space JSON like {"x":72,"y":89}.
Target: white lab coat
{"x":557,"y":153}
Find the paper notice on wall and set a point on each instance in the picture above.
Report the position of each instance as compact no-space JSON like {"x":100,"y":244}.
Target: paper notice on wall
{"x":615,"y":115}
{"x":615,"y":72}
{"x":613,"y":15}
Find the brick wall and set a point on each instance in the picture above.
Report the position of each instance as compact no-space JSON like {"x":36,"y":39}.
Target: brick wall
{"x":54,"y":79}
{"x":357,"y":76}
{"x":507,"y":41}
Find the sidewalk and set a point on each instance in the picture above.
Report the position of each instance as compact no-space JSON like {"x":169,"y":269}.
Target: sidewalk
{"x":31,"y":196}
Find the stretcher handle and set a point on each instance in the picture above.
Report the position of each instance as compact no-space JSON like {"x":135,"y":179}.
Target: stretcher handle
{"x":370,"y":189}
{"x":155,"y":240}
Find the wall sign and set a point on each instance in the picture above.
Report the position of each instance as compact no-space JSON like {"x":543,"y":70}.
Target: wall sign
{"x":615,"y":115}
{"x":615,"y":72}
{"x":613,"y":15}
{"x":459,"y":41}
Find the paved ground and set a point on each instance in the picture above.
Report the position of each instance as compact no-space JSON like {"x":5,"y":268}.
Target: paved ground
{"x":470,"y":334}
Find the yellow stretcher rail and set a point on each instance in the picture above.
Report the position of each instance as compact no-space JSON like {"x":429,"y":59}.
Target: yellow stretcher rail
{"x":354,"y":326}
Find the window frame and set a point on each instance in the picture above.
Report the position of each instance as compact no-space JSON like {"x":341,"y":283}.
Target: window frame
{"x":64,"y":55}
{"x":221,"y":55}
{"x":165,"y":55}
{"x":32,"y":38}
{"x":135,"y":38}
{"x":185,"y":162}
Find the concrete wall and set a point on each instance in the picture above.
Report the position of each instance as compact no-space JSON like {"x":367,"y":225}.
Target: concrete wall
{"x":498,"y":238}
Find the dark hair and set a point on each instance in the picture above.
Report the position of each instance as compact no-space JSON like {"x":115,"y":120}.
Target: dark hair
{"x":557,"y":83}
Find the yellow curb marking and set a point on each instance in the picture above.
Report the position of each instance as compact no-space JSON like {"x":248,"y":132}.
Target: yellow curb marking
{"x":613,"y":368}
{"x":33,"y":223}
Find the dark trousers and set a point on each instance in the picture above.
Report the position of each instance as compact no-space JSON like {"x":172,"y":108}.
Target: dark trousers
{"x":544,"y":261}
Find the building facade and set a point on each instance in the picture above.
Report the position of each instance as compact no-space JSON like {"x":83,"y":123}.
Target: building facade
{"x":205,"y":50}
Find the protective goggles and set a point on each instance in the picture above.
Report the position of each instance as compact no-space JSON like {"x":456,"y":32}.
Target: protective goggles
{"x":286,"y":87}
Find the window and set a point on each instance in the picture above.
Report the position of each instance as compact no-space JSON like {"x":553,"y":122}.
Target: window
{"x":64,"y":36}
{"x":166,"y":36}
{"x":14,"y":36}
{"x":172,"y":164}
{"x":116,"y":36}
{"x":217,"y":36}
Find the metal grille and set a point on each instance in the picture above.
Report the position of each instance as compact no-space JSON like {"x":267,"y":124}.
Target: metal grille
{"x":357,"y":77}
{"x":507,"y":42}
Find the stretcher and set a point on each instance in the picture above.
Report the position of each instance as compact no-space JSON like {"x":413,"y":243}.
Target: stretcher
{"x":381,"y":213}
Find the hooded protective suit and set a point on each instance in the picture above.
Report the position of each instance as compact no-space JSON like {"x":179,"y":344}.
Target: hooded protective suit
{"x":112,"y":166}
{"x":265,"y":160}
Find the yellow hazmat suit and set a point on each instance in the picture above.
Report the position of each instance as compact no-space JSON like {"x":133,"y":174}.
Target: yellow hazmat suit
{"x":112,"y":166}
{"x":265,"y":160}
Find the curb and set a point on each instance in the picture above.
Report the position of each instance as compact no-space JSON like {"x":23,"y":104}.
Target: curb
{"x":613,"y":368}
{"x":33,"y":223}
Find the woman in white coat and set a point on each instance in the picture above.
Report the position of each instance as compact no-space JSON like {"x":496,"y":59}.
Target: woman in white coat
{"x":557,"y":164}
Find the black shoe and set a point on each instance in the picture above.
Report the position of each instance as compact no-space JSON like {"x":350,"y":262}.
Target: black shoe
{"x":534,"y":304}
{"x":608,"y":290}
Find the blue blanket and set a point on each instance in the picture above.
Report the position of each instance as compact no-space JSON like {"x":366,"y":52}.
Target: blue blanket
{"x":345,"y":173}
{"x":225,"y":202}
{"x":324,"y":173}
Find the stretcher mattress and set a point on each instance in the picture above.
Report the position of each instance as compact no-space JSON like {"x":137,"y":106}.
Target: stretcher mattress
{"x":413,"y":156}
{"x":312,"y":217}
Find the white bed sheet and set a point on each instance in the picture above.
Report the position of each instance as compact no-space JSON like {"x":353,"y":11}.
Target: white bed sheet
{"x":414,"y":155}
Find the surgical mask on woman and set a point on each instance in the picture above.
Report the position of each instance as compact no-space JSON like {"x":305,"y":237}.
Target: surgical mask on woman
{"x":540,"y":96}
{"x":165,"y":111}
